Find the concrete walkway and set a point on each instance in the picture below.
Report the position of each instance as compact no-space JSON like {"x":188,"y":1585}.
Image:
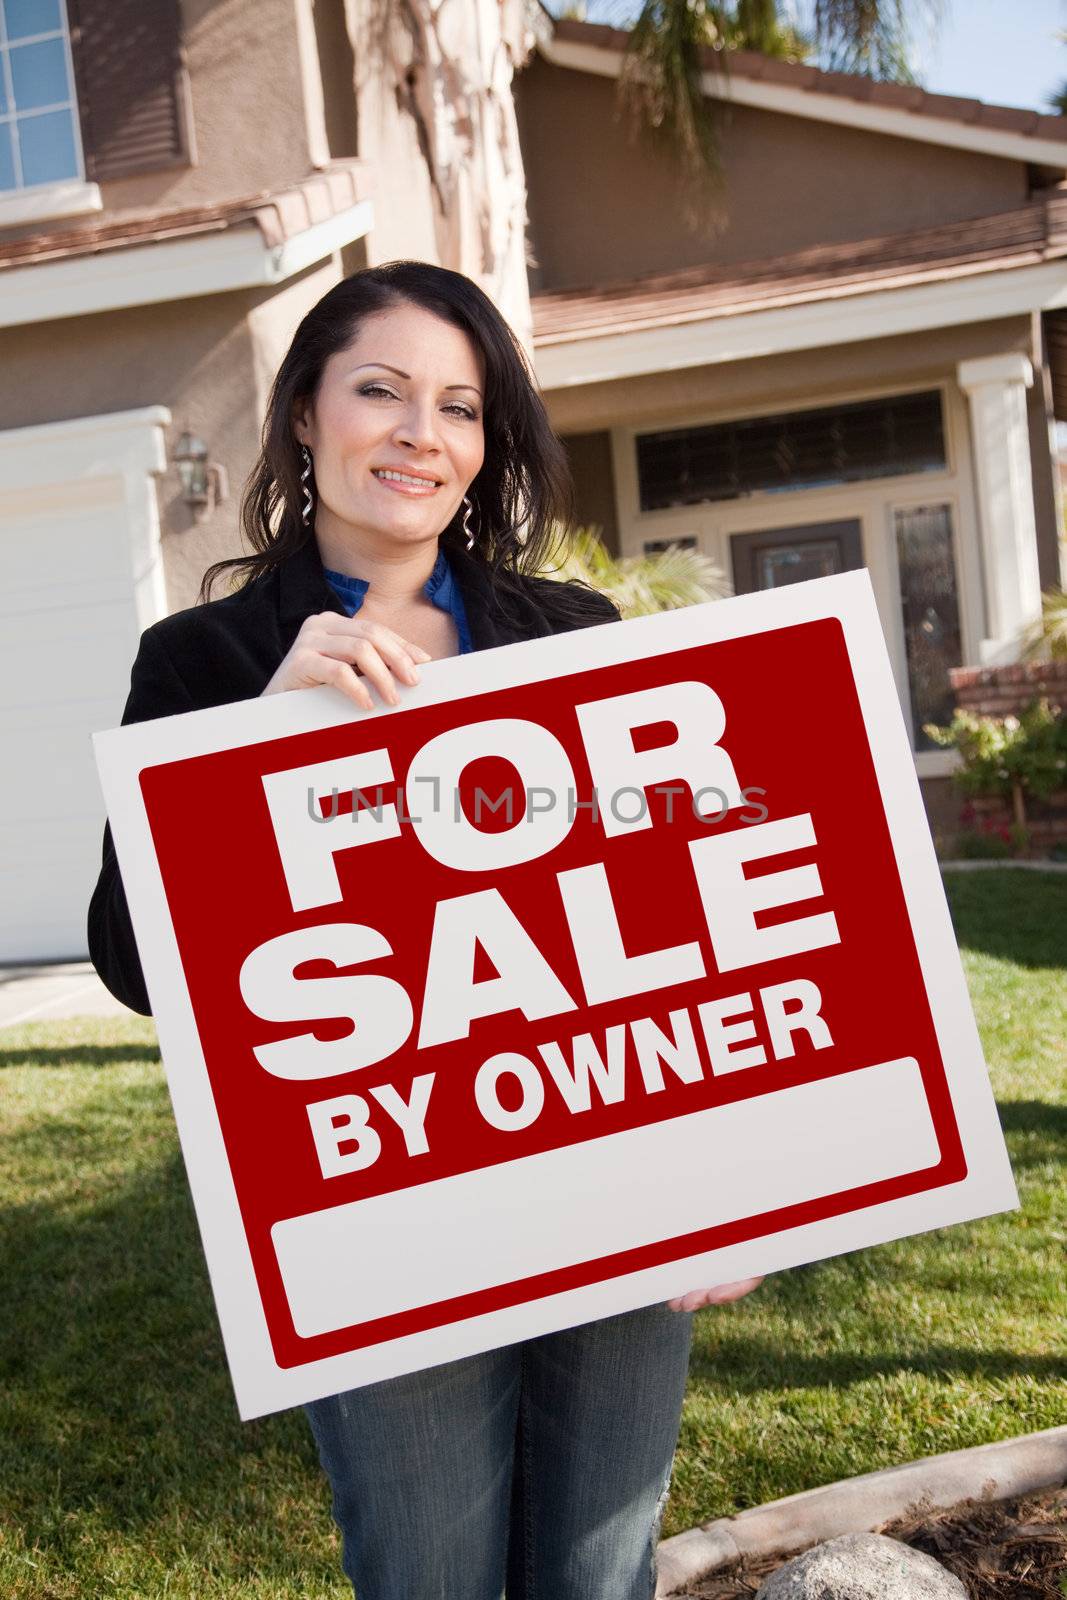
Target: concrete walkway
{"x":67,"y":989}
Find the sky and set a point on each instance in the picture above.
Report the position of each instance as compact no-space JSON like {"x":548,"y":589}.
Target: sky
{"x":976,"y":50}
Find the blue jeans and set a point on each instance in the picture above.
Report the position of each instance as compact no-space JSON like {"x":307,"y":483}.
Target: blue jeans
{"x":542,"y":1467}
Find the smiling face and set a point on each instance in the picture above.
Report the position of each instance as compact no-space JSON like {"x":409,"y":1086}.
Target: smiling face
{"x":405,"y":396}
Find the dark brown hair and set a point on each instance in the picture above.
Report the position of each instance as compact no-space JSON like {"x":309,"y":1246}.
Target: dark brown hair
{"x":524,"y":485}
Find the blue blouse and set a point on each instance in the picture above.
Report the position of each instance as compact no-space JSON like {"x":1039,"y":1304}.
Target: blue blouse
{"x":440,"y":587}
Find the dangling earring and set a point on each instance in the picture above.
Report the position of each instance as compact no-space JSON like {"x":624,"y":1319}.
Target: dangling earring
{"x":467,"y":529}
{"x":305,"y":514}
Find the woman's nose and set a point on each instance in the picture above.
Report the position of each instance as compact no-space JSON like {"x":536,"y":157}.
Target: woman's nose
{"x":419,"y":425}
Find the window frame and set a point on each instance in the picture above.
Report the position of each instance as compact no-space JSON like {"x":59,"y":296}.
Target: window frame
{"x":55,"y":197}
{"x":823,"y":404}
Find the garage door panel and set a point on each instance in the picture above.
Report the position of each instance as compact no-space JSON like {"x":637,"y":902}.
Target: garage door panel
{"x":88,"y":621}
{"x":44,"y":600}
{"x":46,"y":659}
{"x":52,"y":905}
{"x":54,"y":777}
{"x":33,"y":732}
{"x":44,"y":554}
{"x":69,"y":632}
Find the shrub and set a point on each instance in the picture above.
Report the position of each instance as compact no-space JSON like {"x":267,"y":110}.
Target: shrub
{"x":1015,"y":758}
{"x":992,"y":846}
{"x":1000,"y":754}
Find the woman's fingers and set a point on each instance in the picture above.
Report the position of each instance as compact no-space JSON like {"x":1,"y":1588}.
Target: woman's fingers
{"x":722,"y":1294}
{"x":388,"y":651}
{"x":367,"y":661}
{"x":341,"y":676}
{"x":350,"y":654}
{"x":385,"y":639}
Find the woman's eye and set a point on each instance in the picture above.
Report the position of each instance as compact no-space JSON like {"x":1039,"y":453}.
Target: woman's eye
{"x":378,"y":388}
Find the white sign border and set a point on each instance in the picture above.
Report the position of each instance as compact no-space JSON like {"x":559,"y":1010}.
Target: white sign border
{"x":260,"y":1384}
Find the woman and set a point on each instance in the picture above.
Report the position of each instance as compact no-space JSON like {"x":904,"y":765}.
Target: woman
{"x":404,"y":446}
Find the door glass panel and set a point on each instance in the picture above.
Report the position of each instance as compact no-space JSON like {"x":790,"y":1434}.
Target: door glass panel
{"x":773,"y":557}
{"x":930,"y":605}
{"x":781,"y":564}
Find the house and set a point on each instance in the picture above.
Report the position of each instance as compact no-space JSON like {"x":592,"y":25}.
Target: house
{"x":856,"y":363}
{"x":180,"y":180}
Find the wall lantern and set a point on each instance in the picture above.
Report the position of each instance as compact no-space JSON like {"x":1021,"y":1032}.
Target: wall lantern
{"x":204,"y":483}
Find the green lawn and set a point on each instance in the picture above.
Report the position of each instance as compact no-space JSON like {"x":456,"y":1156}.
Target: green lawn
{"x":123,"y":1469}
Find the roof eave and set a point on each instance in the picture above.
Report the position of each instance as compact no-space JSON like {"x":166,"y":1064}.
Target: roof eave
{"x":861,"y":314}
{"x":213,"y":259}
{"x":603,"y":56}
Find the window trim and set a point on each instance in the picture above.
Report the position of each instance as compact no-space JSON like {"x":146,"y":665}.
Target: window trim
{"x":67,"y":197}
{"x":73,"y":195}
{"x":837,"y":403}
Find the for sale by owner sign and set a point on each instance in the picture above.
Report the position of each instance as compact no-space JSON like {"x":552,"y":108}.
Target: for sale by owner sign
{"x":605,"y":967}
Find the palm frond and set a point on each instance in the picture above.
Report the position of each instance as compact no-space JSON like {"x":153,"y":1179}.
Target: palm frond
{"x":758,"y":25}
{"x":639,"y":585}
{"x":1046,"y":639}
{"x":871,"y":37}
{"x":659,"y":86}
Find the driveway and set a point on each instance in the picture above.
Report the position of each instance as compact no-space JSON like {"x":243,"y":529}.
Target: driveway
{"x":40,"y":994}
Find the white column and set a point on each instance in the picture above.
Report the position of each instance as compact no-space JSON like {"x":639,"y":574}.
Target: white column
{"x":996,"y":389}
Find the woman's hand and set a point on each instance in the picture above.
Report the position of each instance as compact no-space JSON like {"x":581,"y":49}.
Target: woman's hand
{"x":343,"y":651}
{"x":720,"y":1296}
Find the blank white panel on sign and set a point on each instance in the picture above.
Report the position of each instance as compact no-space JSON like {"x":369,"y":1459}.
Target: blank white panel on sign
{"x":353,"y":1263}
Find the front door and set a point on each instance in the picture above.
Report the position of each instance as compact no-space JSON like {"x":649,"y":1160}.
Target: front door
{"x":790,"y":555}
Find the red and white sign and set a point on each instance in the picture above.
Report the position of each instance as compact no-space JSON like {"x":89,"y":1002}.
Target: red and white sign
{"x":446,"y":1078}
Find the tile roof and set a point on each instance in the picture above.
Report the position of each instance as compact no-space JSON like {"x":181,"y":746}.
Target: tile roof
{"x":278,"y":215}
{"x":852,"y":86}
{"x":1031,"y":234}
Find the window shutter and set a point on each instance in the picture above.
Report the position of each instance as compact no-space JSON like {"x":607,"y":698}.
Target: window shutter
{"x":133,"y":90}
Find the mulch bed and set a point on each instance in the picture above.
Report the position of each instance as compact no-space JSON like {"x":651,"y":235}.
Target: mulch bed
{"x":999,"y":1550}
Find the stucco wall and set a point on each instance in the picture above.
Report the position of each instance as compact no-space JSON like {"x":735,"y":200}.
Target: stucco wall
{"x":405,"y":215}
{"x":248,"y":109}
{"x":589,"y":457}
{"x":776,"y":382}
{"x":209,"y":360}
{"x":437,"y":130}
{"x":603,"y":208}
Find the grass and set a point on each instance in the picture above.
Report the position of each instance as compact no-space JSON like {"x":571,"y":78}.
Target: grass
{"x":123,"y":1468}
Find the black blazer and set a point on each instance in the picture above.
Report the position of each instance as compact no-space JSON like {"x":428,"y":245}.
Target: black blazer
{"x":229,"y":649}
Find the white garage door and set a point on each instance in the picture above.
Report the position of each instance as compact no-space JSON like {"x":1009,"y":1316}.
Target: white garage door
{"x":81,"y":578}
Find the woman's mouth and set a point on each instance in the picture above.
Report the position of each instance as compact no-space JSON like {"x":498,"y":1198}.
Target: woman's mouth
{"x":403,"y":483}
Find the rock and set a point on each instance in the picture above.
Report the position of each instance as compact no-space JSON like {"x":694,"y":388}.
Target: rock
{"x":862,"y":1566}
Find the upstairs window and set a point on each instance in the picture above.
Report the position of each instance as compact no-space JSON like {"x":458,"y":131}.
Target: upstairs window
{"x":809,"y":449}
{"x":39,"y":141}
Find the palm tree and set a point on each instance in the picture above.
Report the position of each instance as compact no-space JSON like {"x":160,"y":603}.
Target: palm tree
{"x":638,"y":585}
{"x":1058,"y":101}
{"x":668,"y":49}
{"x":1046,"y":638}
